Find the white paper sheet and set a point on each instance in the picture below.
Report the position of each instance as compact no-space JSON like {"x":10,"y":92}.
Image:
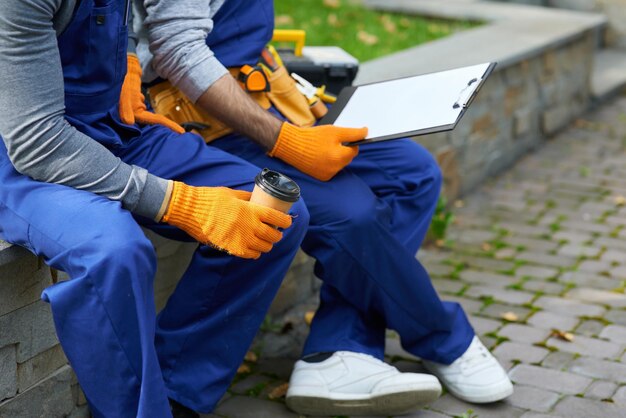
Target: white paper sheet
{"x":412,"y":103}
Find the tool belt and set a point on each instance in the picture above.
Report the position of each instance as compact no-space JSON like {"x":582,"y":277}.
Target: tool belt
{"x":167,"y":100}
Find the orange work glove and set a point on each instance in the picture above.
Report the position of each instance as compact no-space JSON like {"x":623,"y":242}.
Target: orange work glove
{"x":317,"y":151}
{"x":224,"y":218}
{"x":132,"y":101}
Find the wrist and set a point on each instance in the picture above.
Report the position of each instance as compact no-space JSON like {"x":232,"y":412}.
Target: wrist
{"x":273,"y":133}
{"x":166,"y":201}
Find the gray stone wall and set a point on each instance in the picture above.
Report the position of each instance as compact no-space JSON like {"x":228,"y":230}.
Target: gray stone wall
{"x":35,"y":378}
{"x":518,"y":108}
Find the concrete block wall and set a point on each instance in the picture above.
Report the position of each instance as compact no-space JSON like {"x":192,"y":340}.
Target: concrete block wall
{"x":35,"y":378}
{"x":519,"y":107}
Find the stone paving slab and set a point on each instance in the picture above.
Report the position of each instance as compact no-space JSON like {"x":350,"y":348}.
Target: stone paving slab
{"x":587,"y":347}
{"x":538,"y":377}
{"x":575,"y":407}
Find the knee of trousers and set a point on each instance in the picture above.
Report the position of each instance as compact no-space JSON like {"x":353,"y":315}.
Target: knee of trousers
{"x":123,"y":252}
{"x":420,"y":177}
{"x":434,"y":181}
{"x":359,"y":211}
{"x":423,"y":171}
{"x":300,"y":223}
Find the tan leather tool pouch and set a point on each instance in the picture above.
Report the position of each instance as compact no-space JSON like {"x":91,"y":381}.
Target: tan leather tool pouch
{"x":288,"y":100}
{"x":167,"y":100}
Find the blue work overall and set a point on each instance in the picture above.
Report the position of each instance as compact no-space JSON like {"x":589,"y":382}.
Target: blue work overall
{"x":127,"y":361}
{"x":366,"y":226}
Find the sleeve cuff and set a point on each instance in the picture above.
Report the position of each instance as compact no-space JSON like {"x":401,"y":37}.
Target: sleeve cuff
{"x":200,"y":77}
{"x":153,"y":197}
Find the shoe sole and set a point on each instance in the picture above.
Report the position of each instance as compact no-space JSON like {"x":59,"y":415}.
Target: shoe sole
{"x":389,"y":404}
{"x":490,"y":398}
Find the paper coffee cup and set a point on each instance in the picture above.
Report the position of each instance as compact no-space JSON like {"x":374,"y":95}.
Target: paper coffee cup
{"x":274,"y":190}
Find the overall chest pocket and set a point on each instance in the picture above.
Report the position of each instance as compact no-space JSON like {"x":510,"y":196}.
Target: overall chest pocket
{"x":108,"y":36}
{"x":93,"y":49}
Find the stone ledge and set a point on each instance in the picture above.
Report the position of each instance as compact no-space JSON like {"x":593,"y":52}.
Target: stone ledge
{"x":512,"y":34}
{"x":609,"y":74}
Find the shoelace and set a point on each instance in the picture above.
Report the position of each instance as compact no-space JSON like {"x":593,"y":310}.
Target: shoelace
{"x":476,"y":356}
{"x":368,"y":357}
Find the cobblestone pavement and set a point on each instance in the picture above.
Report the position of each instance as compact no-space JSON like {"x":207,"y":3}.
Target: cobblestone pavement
{"x":537,"y":259}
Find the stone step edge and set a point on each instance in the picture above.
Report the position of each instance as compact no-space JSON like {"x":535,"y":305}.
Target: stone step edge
{"x":609,"y":74}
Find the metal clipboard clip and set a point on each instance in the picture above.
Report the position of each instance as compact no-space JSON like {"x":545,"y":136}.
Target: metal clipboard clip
{"x":465,"y":95}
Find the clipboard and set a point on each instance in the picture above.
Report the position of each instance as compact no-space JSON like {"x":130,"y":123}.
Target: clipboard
{"x":409,"y":106}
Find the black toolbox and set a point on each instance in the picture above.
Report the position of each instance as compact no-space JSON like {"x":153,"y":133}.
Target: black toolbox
{"x":322,"y":65}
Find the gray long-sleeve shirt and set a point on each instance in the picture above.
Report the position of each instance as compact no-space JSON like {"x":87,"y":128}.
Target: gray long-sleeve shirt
{"x":40,"y":142}
{"x":172,"y":43}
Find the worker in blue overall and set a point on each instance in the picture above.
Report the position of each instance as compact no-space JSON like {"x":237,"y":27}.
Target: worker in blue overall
{"x":370,"y":209}
{"x":76,"y":184}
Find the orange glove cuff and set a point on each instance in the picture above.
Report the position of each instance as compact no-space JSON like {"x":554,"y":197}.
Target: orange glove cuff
{"x":183,"y":210}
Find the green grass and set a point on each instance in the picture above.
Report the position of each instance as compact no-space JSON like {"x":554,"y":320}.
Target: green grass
{"x":362,"y":32}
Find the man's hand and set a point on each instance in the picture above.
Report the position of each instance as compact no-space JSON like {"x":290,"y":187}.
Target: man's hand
{"x":224,"y":218}
{"x":132,"y":101}
{"x":317,"y":151}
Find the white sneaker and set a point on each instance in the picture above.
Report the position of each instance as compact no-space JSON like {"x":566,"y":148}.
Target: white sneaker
{"x":350,"y":383}
{"x":475,"y":377}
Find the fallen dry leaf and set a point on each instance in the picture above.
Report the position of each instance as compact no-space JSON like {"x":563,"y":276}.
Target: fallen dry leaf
{"x":278,"y":392}
{"x":333,"y":4}
{"x":582,"y":123}
{"x":459,"y":203}
{"x":367,"y":38}
{"x":244,"y":368}
{"x":619,"y":200}
{"x":332,"y":20}
{"x":388,"y":24}
{"x":404,"y":22}
{"x":510,"y":316}
{"x":308,"y":317}
{"x":434,"y":28}
{"x":283,"y":20}
{"x":440,"y":243}
{"x":251,"y":357}
{"x":486,"y":247}
{"x":562,"y":335}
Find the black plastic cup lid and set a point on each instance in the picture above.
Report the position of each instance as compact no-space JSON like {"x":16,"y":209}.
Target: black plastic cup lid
{"x":278,"y":185}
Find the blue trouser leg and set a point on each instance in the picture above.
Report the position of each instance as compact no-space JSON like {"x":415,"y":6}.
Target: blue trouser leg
{"x":209,"y":322}
{"x":366,"y":226}
{"x":105,"y":315}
